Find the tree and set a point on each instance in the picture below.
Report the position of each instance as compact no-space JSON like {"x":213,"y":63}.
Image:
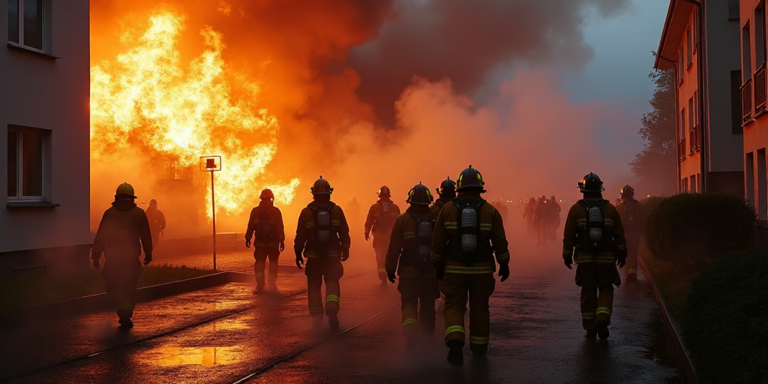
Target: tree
{"x":656,"y":164}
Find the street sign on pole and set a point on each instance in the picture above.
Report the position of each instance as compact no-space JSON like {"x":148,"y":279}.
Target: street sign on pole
{"x":212,"y":164}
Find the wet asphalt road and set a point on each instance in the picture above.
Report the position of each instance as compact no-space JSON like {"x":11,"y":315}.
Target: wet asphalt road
{"x":226,"y":334}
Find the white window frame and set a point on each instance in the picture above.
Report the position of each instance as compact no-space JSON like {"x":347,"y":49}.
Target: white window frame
{"x":45,"y":26}
{"x":20,"y":165}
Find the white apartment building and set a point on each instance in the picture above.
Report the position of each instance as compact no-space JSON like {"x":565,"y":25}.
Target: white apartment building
{"x":700,"y":41}
{"x":44,"y":136}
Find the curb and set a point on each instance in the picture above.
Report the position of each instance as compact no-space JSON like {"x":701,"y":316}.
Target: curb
{"x":100,"y":301}
{"x":672,"y":329}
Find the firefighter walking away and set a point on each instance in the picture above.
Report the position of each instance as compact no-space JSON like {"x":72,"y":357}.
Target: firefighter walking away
{"x":266,"y":227}
{"x":381,"y":218}
{"x":632,"y":217}
{"x":468,"y":232}
{"x":409,"y":256}
{"x":123,"y":232}
{"x":156,"y":222}
{"x":322,"y":236}
{"x":446,"y":193}
{"x":594,"y":234}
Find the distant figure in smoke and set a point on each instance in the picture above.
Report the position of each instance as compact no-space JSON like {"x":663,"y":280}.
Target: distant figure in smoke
{"x":381,"y":218}
{"x":322,"y":236}
{"x":468,"y":232}
{"x":528,"y":215}
{"x":502,"y":207}
{"x":411,"y":246}
{"x":123,"y":232}
{"x":595,"y":235}
{"x":631,"y":214}
{"x":156,"y":222}
{"x":266,"y":223}
{"x":353,"y":213}
{"x":554,"y":219}
{"x":447,"y":193}
{"x":541,"y":220}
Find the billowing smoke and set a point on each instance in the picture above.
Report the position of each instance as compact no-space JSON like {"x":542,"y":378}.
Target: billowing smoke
{"x":380,"y":92}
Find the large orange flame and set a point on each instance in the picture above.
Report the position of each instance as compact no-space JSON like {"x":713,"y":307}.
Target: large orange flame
{"x":146,"y":101}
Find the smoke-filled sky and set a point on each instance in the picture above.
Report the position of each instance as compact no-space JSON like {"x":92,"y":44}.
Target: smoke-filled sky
{"x":534,"y":93}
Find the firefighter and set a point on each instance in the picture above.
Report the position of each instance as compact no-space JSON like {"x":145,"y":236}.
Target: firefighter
{"x":410,"y":247}
{"x":594,"y":234}
{"x":156,"y":222}
{"x":554,"y":223}
{"x":123,"y":232}
{"x":381,"y":218}
{"x":468,"y":232}
{"x":352,"y":211}
{"x":322,"y":236}
{"x":266,"y":223}
{"x":631,"y":214}
{"x":541,"y":218}
{"x":447,"y":192}
{"x":528,"y":214}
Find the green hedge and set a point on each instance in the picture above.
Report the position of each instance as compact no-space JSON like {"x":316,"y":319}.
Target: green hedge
{"x":691,"y":230}
{"x":726,"y":319}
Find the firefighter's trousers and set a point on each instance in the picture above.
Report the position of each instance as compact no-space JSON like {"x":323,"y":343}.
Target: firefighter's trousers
{"x":261,"y":254}
{"x":633,"y":242}
{"x":380,"y":246}
{"x":414,"y":292}
{"x":121,"y":275}
{"x":596,"y":280}
{"x":330,"y":270}
{"x":457,"y":287}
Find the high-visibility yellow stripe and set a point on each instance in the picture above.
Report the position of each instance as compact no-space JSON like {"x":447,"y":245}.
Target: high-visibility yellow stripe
{"x":603,"y":310}
{"x":410,"y":322}
{"x":632,"y":270}
{"x":315,"y":309}
{"x":436,"y":256}
{"x":486,"y":226}
{"x":503,"y":256}
{"x":622,"y":247}
{"x":585,"y":259}
{"x":309,"y":224}
{"x":567,"y":252}
{"x":454,"y":328}
{"x":409,"y":235}
{"x":335,"y":222}
{"x":382,"y":270}
{"x":581,"y":220}
{"x":587,"y":315}
{"x":608,"y":222}
{"x":345,"y":245}
{"x":259,"y":274}
{"x":478,"y":340}
{"x":332,"y":298}
{"x":450,"y":225}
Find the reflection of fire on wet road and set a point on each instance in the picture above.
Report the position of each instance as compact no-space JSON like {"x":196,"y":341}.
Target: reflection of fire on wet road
{"x":207,"y":356}
{"x":144,"y":104}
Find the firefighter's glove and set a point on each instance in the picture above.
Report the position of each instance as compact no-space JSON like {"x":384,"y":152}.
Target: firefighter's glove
{"x":247,"y":243}
{"x":391,"y":276}
{"x":440,"y":270}
{"x":147,"y":258}
{"x":504,"y":271}
{"x":96,"y":263}
{"x":299,"y":260}
{"x":367,"y":236}
{"x":345,"y":255}
{"x":282,"y":246}
{"x":568,"y":260}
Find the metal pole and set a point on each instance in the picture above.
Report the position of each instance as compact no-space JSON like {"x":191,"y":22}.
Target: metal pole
{"x":213,"y":207}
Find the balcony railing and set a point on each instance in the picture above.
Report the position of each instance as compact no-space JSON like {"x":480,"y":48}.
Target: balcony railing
{"x":681,"y":150}
{"x":746,"y":101}
{"x":760,"y":96}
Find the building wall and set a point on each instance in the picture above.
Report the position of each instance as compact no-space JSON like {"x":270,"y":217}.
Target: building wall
{"x":723,"y":56}
{"x":43,"y":92}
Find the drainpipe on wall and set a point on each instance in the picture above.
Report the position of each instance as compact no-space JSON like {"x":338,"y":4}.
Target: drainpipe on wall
{"x":677,"y":129}
{"x":702,"y":71}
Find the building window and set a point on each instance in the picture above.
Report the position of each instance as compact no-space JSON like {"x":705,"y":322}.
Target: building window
{"x":25,"y":23}
{"x":746,"y":54}
{"x":689,"y":48}
{"x":26,"y":159}
{"x":760,"y":48}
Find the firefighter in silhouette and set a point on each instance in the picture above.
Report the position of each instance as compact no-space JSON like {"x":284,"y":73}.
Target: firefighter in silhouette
{"x":541,"y":219}
{"x":410,"y":246}
{"x":322,"y":236}
{"x":554,"y":221}
{"x":381,"y":218}
{"x":528,"y":215}
{"x":594,"y":234}
{"x":156,"y":222}
{"x":468,"y":232}
{"x":632,"y":217}
{"x":123,"y":232}
{"x":352,"y":211}
{"x":446,"y":193}
{"x":266,"y":226}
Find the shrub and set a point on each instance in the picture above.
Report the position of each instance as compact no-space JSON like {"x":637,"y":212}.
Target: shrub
{"x":726,"y":319}
{"x":691,"y":230}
